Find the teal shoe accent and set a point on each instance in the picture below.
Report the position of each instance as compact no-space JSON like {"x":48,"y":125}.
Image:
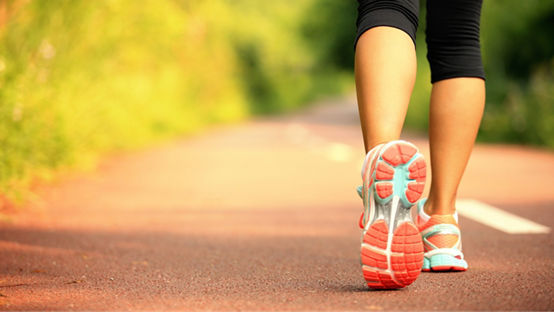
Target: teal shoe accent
{"x":399,"y":181}
{"x":420,"y":204}
{"x":426,"y":265}
{"x":443,"y":262}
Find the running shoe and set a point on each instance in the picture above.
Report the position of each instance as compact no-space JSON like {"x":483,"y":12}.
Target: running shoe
{"x":391,"y":250}
{"x":442,"y":241}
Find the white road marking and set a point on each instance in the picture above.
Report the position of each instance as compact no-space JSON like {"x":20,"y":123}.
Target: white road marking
{"x":497,"y":218}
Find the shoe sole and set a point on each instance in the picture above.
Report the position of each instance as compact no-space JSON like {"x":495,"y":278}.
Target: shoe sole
{"x":392,"y":250}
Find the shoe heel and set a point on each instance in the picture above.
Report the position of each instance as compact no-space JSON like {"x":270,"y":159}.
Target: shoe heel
{"x":391,"y":266}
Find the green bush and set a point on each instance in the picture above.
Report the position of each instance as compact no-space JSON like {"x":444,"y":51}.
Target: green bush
{"x":519,"y":61}
{"x":81,"y":78}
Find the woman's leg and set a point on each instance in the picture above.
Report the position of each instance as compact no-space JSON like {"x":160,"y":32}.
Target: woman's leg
{"x":457,"y":98}
{"x":385,"y":69}
{"x":385,"y":66}
{"x":455,"y":114}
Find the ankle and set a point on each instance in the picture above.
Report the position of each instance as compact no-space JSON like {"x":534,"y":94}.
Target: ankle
{"x":432,"y":207}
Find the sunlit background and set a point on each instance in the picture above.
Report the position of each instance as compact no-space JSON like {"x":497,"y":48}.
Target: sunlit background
{"x":81,"y":78}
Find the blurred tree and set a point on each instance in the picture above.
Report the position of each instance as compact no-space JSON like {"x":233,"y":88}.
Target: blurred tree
{"x":518,"y":51}
{"x":330,"y":27}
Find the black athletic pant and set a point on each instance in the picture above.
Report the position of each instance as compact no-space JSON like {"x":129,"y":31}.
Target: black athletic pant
{"x":452,"y":32}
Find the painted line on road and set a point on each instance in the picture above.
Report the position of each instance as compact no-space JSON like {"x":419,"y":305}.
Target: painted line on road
{"x":498,"y":218}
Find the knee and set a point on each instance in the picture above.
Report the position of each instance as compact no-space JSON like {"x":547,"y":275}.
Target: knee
{"x":401,"y":14}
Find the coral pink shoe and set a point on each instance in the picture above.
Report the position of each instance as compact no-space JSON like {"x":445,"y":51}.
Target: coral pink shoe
{"x":392,"y":250}
{"x":442,"y":241}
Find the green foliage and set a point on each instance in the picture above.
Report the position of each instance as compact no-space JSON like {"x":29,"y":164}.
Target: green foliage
{"x":519,"y":61}
{"x":81,"y":78}
{"x":330,"y":28}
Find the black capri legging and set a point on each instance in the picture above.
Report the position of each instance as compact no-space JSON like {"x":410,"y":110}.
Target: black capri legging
{"x":452,"y":32}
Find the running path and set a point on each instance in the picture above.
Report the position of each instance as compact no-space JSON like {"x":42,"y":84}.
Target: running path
{"x":262,"y":216}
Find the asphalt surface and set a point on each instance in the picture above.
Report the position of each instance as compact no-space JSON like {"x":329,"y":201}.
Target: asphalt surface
{"x":262,"y":216}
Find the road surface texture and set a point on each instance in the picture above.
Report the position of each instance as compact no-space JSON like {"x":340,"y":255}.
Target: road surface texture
{"x":263,"y":216}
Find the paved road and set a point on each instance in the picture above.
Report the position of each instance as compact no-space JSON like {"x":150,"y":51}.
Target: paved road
{"x":262,"y":216}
